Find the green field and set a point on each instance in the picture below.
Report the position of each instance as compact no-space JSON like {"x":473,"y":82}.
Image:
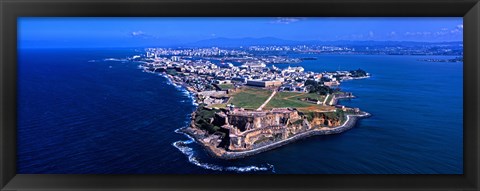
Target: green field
{"x":226,"y":86}
{"x":292,"y":99}
{"x":219,"y":105}
{"x":250,"y":98}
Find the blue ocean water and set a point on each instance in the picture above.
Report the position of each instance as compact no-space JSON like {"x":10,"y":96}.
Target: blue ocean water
{"x":81,"y":114}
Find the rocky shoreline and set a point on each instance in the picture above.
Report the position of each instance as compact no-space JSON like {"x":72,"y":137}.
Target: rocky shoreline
{"x":222,"y":154}
{"x":196,"y":134}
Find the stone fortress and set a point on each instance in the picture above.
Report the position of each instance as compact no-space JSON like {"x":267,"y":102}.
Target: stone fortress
{"x":252,"y":129}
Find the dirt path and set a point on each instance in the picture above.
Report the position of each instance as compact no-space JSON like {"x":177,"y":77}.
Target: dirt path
{"x":266,"y":101}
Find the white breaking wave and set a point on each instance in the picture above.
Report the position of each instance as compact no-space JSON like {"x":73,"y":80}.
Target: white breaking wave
{"x":191,"y":96}
{"x":182,"y":146}
{"x":186,"y":93}
{"x":194,"y":103}
{"x":190,"y":153}
{"x":169,"y":83}
{"x":179,"y":87}
{"x":182,"y":89}
{"x":115,"y":59}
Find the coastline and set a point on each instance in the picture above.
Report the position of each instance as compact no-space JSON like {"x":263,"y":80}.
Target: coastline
{"x":218,"y":153}
{"x":190,"y":130}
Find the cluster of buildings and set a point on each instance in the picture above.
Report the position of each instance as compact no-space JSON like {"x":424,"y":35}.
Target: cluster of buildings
{"x":375,"y":48}
{"x":201,"y":75}
{"x":300,"y":48}
{"x":233,"y":130}
{"x":194,"y":52}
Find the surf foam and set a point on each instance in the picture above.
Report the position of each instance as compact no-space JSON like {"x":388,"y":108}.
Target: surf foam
{"x":183,"y":147}
{"x":192,"y":158}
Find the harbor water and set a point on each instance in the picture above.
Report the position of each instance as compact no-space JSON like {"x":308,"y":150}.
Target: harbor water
{"x":91,"y":111}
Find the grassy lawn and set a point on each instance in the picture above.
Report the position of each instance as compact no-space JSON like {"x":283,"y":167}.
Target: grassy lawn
{"x":219,"y":105}
{"x":276,"y":102}
{"x":288,"y":94}
{"x":292,"y":99}
{"x":250,"y":98}
{"x":314,"y":96}
{"x":295,"y":96}
{"x":226,"y":86}
{"x":316,"y":108}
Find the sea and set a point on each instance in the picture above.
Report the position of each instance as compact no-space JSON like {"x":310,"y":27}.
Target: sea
{"x":92,"y":111}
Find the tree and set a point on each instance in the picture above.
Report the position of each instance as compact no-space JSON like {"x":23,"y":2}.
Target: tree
{"x":311,"y":82}
{"x":358,"y":73}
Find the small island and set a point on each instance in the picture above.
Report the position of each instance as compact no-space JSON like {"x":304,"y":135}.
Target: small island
{"x":248,"y":109}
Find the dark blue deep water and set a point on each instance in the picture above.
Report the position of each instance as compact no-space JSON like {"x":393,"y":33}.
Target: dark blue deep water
{"x":81,"y":114}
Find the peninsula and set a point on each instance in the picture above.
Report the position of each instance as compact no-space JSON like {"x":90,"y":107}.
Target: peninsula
{"x":251,"y":108}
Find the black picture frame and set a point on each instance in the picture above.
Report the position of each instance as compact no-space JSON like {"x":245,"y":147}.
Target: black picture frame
{"x":10,"y":10}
